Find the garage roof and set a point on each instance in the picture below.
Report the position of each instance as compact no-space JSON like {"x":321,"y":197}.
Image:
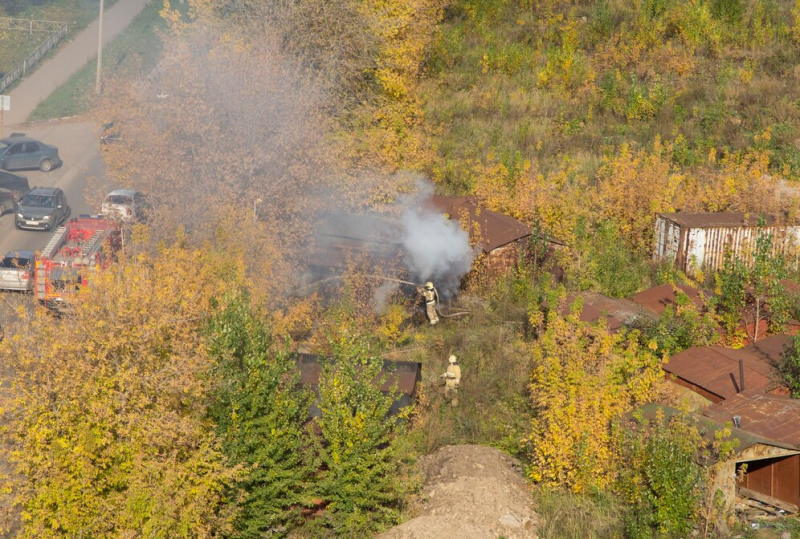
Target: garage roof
{"x":716,"y":369}
{"x":770,"y":416}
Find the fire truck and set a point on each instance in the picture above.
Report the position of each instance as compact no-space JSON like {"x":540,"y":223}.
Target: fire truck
{"x":76,"y":251}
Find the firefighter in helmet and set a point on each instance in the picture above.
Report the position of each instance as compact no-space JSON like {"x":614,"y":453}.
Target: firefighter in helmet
{"x":452,"y":380}
{"x":431,"y":299}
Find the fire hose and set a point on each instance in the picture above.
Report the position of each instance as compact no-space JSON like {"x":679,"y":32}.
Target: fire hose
{"x":391,"y":279}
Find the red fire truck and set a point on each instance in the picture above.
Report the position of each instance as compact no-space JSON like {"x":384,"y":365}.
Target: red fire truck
{"x":76,"y":251}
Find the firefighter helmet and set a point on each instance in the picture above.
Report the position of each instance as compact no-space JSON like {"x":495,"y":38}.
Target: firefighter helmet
{"x":429,"y":285}
{"x":452,"y":358}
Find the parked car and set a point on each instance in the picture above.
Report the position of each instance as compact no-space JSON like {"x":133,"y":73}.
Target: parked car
{"x":126,"y":205}
{"x":16,"y":271}
{"x":43,"y":208}
{"x":7,"y":202}
{"x":16,"y":184}
{"x":19,"y":152}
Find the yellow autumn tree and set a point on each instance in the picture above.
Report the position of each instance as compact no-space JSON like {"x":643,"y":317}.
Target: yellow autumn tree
{"x":583,"y":379}
{"x":632,"y":186}
{"x":105,"y":427}
{"x":556,"y":201}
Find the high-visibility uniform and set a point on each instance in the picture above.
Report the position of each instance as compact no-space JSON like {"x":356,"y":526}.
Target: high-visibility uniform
{"x":430,"y":305}
{"x":452,"y":379}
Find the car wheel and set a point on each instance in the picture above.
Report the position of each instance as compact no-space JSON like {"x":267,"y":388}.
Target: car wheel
{"x":46,"y":165}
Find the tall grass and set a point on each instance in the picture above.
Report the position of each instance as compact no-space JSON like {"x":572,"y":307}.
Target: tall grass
{"x":563,"y":515}
{"x":485,"y":91}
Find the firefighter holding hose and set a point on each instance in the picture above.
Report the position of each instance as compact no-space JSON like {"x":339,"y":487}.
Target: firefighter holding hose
{"x":431,"y":300}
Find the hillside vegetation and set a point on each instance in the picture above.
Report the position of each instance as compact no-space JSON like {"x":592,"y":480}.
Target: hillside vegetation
{"x":166,"y":401}
{"x":571,"y":114}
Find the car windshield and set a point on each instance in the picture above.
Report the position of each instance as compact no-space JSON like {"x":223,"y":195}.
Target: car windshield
{"x":14,"y":262}
{"x":119,"y":199}
{"x":39,"y":201}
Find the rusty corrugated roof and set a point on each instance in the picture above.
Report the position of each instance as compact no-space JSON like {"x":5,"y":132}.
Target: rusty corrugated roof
{"x":342,"y":238}
{"x":791,"y":287}
{"x":496,"y":229}
{"x":591,"y":315}
{"x":616,"y":311}
{"x":708,"y":427}
{"x":770,"y":416}
{"x":719,"y":219}
{"x":404,"y":373}
{"x":770,"y":349}
{"x":716,"y":369}
{"x":659,"y":297}
{"x":622,"y":309}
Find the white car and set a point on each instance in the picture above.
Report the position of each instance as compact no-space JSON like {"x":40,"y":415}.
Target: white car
{"x":16,"y":271}
{"x":126,"y":205}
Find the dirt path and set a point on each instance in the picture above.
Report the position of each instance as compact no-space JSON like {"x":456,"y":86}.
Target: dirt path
{"x":57,"y":70}
{"x":470,"y":492}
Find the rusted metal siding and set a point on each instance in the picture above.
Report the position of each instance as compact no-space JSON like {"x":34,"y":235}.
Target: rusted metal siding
{"x":723,"y":475}
{"x":776,"y":477}
{"x":699,"y":241}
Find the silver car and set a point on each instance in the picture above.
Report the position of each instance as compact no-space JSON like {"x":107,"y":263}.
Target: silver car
{"x":126,"y":205}
{"x":16,"y":271}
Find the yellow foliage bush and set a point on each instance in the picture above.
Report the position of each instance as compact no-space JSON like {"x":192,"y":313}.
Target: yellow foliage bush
{"x":108,"y":434}
{"x":583,"y":379}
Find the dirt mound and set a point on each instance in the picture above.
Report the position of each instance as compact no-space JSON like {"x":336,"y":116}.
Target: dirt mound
{"x":470,"y":491}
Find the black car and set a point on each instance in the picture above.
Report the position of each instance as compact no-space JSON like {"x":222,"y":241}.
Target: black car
{"x":7,"y":202}
{"x":18,"y":185}
{"x":19,"y":152}
{"x":43,"y":208}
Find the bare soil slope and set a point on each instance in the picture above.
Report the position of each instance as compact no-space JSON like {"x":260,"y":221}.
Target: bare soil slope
{"x":470,"y":491}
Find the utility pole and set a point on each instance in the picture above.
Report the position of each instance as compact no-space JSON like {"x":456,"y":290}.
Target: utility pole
{"x":98,"y":84}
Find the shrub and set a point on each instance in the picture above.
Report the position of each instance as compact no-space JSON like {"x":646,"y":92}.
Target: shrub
{"x":260,"y":415}
{"x":789,"y":367}
{"x":583,"y":379}
{"x":662,"y":480}
{"x":679,"y":328}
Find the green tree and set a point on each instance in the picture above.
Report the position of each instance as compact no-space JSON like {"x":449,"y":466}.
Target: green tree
{"x":361,"y":479}
{"x":752,"y":290}
{"x":789,"y":366}
{"x":260,"y":411}
{"x":663,"y":481}
{"x":604,"y":262}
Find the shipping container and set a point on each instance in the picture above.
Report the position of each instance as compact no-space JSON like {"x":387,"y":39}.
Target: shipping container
{"x":693,"y":241}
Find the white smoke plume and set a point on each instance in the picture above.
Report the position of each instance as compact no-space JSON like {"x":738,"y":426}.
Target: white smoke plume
{"x":382,"y":294}
{"x":436,"y":249}
{"x":431,"y":247}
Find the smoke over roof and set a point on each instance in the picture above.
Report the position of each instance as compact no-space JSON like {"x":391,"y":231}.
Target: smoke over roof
{"x":429,"y":246}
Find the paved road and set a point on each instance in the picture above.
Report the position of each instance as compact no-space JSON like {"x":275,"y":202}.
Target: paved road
{"x":57,"y":70}
{"x":78,"y":147}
